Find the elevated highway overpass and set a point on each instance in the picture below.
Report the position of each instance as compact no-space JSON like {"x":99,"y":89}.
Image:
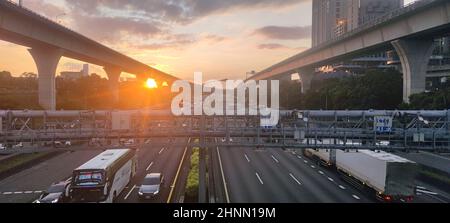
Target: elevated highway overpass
{"x":49,"y":41}
{"x":409,"y":30}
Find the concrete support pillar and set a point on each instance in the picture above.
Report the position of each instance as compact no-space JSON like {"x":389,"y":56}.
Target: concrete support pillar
{"x":113,"y":77}
{"x":46,"y":59}
{"x":414,"y":55}
{"x":306,"y":76}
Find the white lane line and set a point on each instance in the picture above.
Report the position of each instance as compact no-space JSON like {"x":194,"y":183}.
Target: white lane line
{"x":18,"y":192}
{"x":356,"y":197}
{"x":129,"y":193}
{"x":330,"y":179}
{"x":342,"y":187}
{"x":246,"y":157}
{"x":306,"y":161}
{"x":275,"y":159}
{"x":28,"y":192}
{"x":427,"y":192}
{"x":161,"y":151}
{"x":299,"y":157}
{"x":7,"y":193}
{"x":312,"y":166}
{"x":321,"y":173}
{"x":259,"y":178}
{"x":420,"y":187}
{"x":223,"y":176}
{"x":149,"y":166}
{"x":37,"y":191}
{"x":293,"y":177}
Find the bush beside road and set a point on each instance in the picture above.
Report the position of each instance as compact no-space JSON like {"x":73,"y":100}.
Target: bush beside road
{"x":19,"y":162}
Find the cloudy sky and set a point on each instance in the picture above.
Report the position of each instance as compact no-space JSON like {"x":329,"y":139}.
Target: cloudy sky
{"x":221,"y":38}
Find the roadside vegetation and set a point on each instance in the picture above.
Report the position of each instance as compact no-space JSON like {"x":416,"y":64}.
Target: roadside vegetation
{"x":192,"y":182}
{"x":373,"y":90}
{"x":20,"y":159}
{"x":87,"y":93}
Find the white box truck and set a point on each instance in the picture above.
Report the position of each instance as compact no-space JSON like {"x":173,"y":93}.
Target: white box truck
{"x":390,"y":176}
{"x":322,"y":156}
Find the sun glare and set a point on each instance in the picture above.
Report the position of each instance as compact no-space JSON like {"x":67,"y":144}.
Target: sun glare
{"x":151,"y":83}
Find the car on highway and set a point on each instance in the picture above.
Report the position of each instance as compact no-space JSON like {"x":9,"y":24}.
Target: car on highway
{"x":56,"y":193}
{"x":18,"y":146}
{"x":151,"y":186}
{"x":60,"y":144}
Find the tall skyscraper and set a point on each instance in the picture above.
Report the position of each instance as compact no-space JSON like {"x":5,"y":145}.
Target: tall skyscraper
{"x":372,"y":9}
{"x":333,"y":18}
{"x":329,"y":17}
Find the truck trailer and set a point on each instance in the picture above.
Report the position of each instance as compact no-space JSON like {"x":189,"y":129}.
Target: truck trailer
{"x":389,"y":176}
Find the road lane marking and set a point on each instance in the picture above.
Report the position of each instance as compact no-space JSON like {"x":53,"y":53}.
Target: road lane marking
{"x":18,"y":192}
{"x":172,"y":187}
{"x":223,"y":176}
{"x":275,"y":159}
{"x":37,"y":191}
{"x":28,"y":192}
{"x":356,"y":197}
{"x":129,"y":193}
{"x":293,"y":177}
{"x":330,"y":179}
{"x":427,"y":192}
{"x":7,"y":193}
{"x":259,"y":178}
{"x":246,"y":157}
{"x":342,"y":187}
{"x":306,"y":161}
{"x":149,"y":166}
{"x":321,"y":173}
{"x":299,"y":157}
{"x":161,"y":151}
{"x":312,"y":166}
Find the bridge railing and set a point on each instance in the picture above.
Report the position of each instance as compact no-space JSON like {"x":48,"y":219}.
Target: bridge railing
{"x":424,"y":130}
{"x":361,"y":28}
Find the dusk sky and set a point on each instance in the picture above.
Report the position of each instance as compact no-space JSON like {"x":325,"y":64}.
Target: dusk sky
{"x":221,"y":38}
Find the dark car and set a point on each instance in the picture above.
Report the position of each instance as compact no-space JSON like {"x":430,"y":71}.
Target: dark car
{"x":151,"y":186}
{"x":55,"y":193}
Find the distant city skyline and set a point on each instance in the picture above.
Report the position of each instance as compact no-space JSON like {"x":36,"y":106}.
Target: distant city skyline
{"x":222,"y":39}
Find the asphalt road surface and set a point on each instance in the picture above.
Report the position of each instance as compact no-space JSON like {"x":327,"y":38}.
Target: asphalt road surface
{"x":27,"y":185}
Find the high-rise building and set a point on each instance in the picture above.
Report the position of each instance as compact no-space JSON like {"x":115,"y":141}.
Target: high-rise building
{"x":329,"y":18}
{"x":372,"y":9}
{"x":332,"y":18}
{"x":85,"y":70}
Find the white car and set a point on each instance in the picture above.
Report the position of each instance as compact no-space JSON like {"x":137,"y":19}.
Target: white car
{"x":18,"y":146}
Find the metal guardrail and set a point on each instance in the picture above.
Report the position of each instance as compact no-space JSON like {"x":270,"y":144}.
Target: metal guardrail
{"x":420,"y":130}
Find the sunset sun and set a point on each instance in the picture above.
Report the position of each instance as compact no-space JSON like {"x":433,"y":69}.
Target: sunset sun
{"x":151,"y":83}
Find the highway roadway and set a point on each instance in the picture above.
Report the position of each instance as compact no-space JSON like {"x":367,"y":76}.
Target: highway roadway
{"x":166,"y":160}
{"x":278,"y":176}
{"x":236,"y":175}
{"x":27,"y":185}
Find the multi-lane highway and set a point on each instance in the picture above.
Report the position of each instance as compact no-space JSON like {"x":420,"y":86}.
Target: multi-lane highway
{"x":166,"y":160}
{"x":236,"y":175}
{"x":275,"y":175}
{"x":26,"y":186}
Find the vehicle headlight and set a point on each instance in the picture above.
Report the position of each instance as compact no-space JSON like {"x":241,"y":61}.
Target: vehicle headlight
{"x":156,"y":192}
{"x":55,"y":201}
{"x":140,"y":193}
